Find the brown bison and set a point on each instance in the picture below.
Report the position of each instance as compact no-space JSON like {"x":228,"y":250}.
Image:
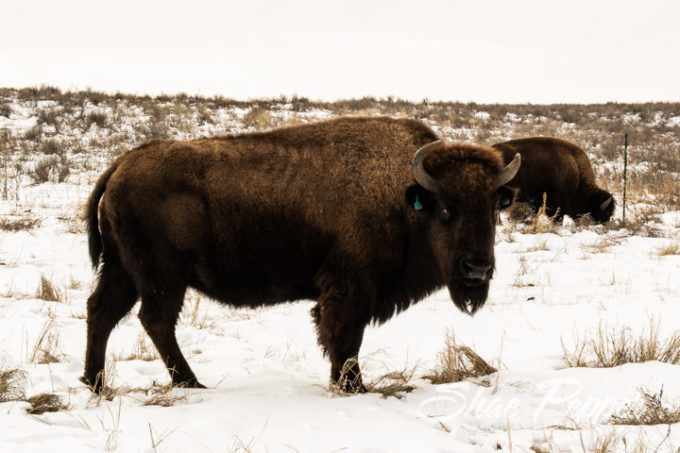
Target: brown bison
{"x":563,"y":172}
{"x":363,"y":215}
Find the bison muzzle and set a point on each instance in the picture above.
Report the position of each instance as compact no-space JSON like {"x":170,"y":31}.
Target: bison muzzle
{"x":365,"y":216}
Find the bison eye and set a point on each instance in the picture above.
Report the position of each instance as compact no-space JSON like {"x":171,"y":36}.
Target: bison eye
{"x":445,"y":215}
{"x":505,"y":202}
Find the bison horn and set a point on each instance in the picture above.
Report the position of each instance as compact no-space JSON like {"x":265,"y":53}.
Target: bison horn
{"x":606,"y":203}
{"x":421,"y":176}
{"x":509,"y":171}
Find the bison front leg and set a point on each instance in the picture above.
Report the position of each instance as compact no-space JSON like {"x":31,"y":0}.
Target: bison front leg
{"x":340,"y":332}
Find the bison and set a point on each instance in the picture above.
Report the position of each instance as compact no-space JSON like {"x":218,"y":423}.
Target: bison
{"x":365,"y":216}
{"x":563,"y":172}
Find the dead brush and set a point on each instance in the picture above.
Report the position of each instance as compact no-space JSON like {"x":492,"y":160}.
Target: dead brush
{"x":74,"y":225}
{"x":45,"y":349}
{"x":542,"y":223}
{"x":193,"y":316}
{"x":609,"y":348}
{"x":14,"y":224}
{"x":164,"y":395}
{"x":672,"y":248}
{"x":650,"y":410}
{"x":393,"y":383}
{"x":47,"y":291}
{"x":600,"y":246}
{"x":601,"y":443}
{"x":107,"y":391}
{"x":45,"y":402}
{"x":142,"y":350}
{"x":11,"y":388}
{"x":458,"y":362}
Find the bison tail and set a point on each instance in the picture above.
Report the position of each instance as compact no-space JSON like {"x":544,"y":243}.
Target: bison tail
{"x":93,"y":234}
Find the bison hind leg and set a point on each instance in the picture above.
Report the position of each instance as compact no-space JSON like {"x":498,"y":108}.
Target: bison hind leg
{"x":113,"y":297}
{"x":158,"y":314}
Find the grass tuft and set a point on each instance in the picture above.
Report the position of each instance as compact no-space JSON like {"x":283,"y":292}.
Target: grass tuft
{"x":672,"y":248}
{"x":47,"y":291}
{"x":45,"y":402}
{"x":650,"y":410}
{"x":609,"y":348}
{"x":163,"y":395}
{"x":11,"y":388}
{"x":458,"y":362}
{"x":46,"y":346}
{"x":14,"y":224}
{"x":393,"y":383}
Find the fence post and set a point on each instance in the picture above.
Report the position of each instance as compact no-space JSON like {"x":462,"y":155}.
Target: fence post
{"x":625,"y":175}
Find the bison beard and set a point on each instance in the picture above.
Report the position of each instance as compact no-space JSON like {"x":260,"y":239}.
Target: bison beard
{"x":469,"y":295}
{"x":340,"y":212}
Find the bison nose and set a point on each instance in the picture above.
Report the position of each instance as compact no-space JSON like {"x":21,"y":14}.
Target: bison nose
{"x":477,"y":269}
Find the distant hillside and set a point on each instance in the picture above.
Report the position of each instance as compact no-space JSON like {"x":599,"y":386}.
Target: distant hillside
{"x":69,"y":132}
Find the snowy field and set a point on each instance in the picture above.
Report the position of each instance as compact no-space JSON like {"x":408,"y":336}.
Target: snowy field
{"x":266,"y":377}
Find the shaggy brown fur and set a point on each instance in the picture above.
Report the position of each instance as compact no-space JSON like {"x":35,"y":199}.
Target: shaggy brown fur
{"x":562,"y":171}
{"x":322,"y":212}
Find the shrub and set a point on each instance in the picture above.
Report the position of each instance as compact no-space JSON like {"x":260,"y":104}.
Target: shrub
{"x":52,"y":147}
{"x":50,"y":168}
{"x":5,"y":109}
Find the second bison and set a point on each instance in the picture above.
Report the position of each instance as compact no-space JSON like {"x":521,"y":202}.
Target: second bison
{"x":562,"y":171}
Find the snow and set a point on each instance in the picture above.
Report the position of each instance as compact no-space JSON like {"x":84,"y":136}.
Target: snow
{"x":267,"y":379}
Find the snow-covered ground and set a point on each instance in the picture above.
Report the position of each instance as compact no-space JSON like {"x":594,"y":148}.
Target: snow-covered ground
{"x":267,"y":380}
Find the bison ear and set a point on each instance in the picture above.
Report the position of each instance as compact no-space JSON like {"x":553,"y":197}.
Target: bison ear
{"x":419,"y":198}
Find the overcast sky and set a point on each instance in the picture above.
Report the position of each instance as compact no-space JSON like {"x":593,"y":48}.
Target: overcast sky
{"x":506,"y":51}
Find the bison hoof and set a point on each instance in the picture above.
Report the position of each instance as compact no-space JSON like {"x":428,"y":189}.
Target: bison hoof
{"x":346,"y":385}
{"x":189,"y":384}
{"x":94,"y":385}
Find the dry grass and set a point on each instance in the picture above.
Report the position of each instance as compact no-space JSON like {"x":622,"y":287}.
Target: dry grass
{"x":541,"y":222}
{"x":45,"y":402}
{"x":672,"y":248}
{"x":45,"y":349}
{"x":393,"y":383}
{"x":74,"y":225}
{"x":143,"y":349}
{"x":47,"y":291}
{"x":192,"y":315}
{"x":347,"y":379}
{"x":164,"y":395}
{"x":13,"y":223}
{"x":609,"y":347}
{"x":601,"y":443}
{"x":602,"y":245}
{"x":650,"y":410}
{"x":458,"y":362}
{"x":11,"y":388}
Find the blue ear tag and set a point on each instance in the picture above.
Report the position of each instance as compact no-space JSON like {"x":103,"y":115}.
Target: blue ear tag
{"x":417,"y":205}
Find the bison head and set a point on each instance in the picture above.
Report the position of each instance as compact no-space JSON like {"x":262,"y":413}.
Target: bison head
{"x":464,"y":192}
{"x":601,"y":205}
